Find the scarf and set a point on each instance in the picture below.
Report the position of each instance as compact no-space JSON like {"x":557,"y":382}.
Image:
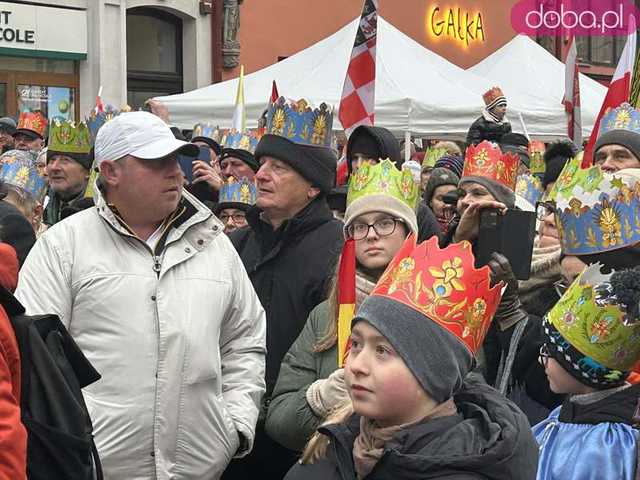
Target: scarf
{"x":369,"y":444}
{"x":364,"y":286}
{"x":490,"y":117}
{"x":545,"y":269}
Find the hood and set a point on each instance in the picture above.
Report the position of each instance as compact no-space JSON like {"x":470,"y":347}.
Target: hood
{"x":388,"y":146}
{"x":616,"y":408}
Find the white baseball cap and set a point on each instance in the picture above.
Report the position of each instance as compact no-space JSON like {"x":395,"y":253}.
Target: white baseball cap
{"x":140,"y":134}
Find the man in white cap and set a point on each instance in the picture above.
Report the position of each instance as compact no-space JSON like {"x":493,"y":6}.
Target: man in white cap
{"x":155,"y":295}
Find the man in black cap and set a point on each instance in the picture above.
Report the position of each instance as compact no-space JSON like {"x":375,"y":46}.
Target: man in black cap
{"x":7,"y":129}
{"x":290,"y":252}
{"x":373,"y":144}
{"x":238,"y":163}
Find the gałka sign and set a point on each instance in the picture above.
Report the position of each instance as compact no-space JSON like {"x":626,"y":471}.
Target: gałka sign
{"x":455,"y":23}
{"x":13,"y":35}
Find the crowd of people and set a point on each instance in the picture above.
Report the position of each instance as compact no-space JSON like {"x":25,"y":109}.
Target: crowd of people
{"x":247,"y":317}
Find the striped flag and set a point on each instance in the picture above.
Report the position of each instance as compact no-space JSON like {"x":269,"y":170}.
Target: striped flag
{"x":619,"y":89}
{"x":358,"y":93}
{"x":239,"y":121}
{"x":346,"y":297}
{"x":571,"y":98}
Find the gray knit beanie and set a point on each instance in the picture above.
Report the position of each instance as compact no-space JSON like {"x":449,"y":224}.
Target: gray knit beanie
{"x":439,"y":176}
{"x":626,"y":138}
{"x":381,"y":203}
{"x":499,"y":191}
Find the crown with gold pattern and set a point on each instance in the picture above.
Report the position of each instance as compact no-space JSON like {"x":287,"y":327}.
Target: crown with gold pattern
{"x":536,"y":157}
{"x":67,"y":137}
{"x":18,"y":169}
{"x":300,"y":122}
{"x":594,"y":318}
{"x":487,"y":160}
{"x":623,"y":117}
{"x":445,"y":286}
{"x":33,"y":121}
{"x":529,"y":187}
{"x":247,"y":140}
{"x":97,"y":119}
{"x":236,"y":193}
{"x":384,"y":178}
{"x":596,"y":211}
{"x":207,"y":130}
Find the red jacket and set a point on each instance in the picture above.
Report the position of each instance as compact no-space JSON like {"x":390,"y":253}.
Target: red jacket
{"x":13,"y":436}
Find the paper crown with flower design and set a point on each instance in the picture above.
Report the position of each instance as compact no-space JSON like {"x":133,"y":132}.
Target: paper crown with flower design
{"x":593,"y":317}
{"x":432,"y":156}
{"x":247,"y":140}
{"x":596,"y":211}
{"x":624,"y":117}
{"x":487,"y":160}
{"x":384,"y":178}
{"x":299,"y":122}
{"x":19,"y":169}
{"x":537,"y":166}
{"x":33,"y":121}
{"x":67,"y":137}
{"x":493,"y":96}
{"x":529,"y":187}
{"x":239,"y":193}
{"x":96,"y":120}
{"x":207,"y":130}
{"x":443,"y":285}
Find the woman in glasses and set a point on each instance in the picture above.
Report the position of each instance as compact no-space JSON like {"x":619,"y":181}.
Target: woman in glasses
{"x":380,"y":214}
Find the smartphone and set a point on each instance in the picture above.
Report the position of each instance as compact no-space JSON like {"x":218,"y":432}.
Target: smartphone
{"x":186,"y":164}
{"x":511,"y":234}
{"x":204,"y":154}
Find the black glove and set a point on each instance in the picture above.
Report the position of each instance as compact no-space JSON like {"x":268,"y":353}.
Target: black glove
{"x":510,"y":309}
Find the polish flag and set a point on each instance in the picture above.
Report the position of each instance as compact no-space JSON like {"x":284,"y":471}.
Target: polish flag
{"x":571,"y":98}
{"x":619,"y":89}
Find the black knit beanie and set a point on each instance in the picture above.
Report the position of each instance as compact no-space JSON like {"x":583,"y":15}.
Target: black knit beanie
{"x":84,"y":159}
{"x":626,"y":138}
{"x":516,"y":143}
{"x":439,"y":176}
{"x":555,"y":157}
{"x":244,"y":155}
{"x":437,"y":359}
{"x":618,"y":259}
{"x":215,"y":146}
{"x":499,"y":191}
{"x":375,"y":142}
{"x":316,"y":164}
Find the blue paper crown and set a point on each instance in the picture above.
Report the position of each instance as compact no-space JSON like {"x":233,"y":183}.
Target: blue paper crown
{"x":298,"y":122}
{"x":529,"y":187}
{"x":624,"y":117}
{"x":598,"y":212}
{"x":206,"y":130}
{"x":96,"y":120}
{"x":19,"y":169}
{"x":240,"y":192}
{"x":247,"y":140}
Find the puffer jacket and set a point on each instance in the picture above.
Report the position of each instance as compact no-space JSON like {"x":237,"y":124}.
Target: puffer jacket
{"x":489,"y":438}
{"x":290,"y":419}
{"x":483,"y":129}
{"x":178,"y":335}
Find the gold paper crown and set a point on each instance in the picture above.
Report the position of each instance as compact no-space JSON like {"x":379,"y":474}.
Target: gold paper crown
{"x":492,"y":95}
{"x":66,"y":137}
{"x":33,"y":121}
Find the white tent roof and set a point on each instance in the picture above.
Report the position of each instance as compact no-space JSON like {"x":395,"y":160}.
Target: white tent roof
{"x":416,"y":89}
{"x":522,"y":64}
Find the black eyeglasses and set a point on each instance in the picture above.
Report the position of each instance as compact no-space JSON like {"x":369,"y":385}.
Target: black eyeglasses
{"x":543,"y":209}
{"x":544,"y":354}
{"x":383,"y":228}
{"x":237,"y":217}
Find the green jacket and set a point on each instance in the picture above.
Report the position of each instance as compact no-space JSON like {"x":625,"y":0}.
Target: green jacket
{"x":290,"y":420}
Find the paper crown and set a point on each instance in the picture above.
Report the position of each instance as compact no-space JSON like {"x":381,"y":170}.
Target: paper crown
{"x":443,"y":285}
{"x":300,"y":123}
{"x":529,"y":187}
{"x":596,"y":211}
{"x":624,"y":117}
{"x":247,"y":140}
{"x":207,"y":130}
{"x":34,"y":121}
{"x":241,"y":192}
{"x":432,"y":156}
{"x":96,"y":120}
{"x":487,"y":160}
{"x":594,"y":321}
{"x":66,"y":137}
{"x":384,"y":178}
{"x":18,"y":168}
{"x":492,"y":95}
{"x":536,"y":157}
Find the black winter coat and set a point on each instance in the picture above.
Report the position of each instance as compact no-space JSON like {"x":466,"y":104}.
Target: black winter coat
{"x":289,"y":269}
{"x":489,"y":438}
{"x":16,"y":230}
{"x":483,"y":129}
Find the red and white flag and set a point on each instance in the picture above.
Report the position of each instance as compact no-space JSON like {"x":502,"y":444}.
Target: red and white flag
{"x":619,"y":88}
{"x":358,"y":93}
{"x":571,"y":98}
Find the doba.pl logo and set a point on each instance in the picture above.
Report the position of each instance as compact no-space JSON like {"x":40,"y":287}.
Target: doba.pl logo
{"x":579,"y":17}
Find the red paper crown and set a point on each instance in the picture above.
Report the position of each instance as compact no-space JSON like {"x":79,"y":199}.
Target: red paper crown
{"x":492,"y":95}
{"x":33,"y":121}
{"x":443,"y":285}
{"x":487,"y":160}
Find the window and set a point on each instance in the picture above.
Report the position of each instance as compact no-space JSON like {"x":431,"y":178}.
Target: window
{"x":154,"y":55}
{"x":53,"y":102}
{"x":600,"y":50}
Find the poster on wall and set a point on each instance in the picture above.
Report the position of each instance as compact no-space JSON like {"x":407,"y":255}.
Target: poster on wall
{"x":53,"y":102}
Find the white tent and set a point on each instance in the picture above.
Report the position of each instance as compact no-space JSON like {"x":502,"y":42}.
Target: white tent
{"x":416,"y":90}
{"x":522,"y":64}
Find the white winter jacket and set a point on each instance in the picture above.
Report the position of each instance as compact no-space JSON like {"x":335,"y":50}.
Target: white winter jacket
{"x":178,"y":337}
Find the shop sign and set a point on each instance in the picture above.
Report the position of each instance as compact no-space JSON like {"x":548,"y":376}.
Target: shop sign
{"x":454,"y":23}
{"x":33,"y":30}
